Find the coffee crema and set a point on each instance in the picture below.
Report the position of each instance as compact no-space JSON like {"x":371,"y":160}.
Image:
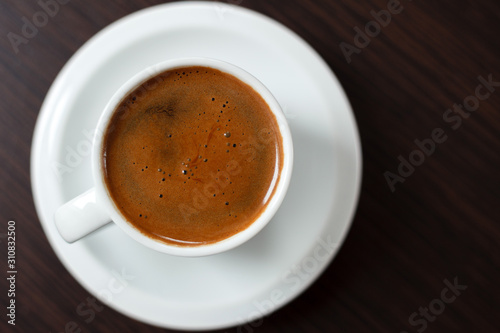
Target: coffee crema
{"x":192,"y":156}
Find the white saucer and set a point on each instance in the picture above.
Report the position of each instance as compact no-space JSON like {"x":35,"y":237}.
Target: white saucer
{"x":257,"y":277}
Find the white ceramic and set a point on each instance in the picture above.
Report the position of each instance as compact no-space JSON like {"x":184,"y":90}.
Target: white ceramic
{"x":273,"y":267}
{"x":95,"y":208}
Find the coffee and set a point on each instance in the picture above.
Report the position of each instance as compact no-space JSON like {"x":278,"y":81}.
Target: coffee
{"x":192,"y":156}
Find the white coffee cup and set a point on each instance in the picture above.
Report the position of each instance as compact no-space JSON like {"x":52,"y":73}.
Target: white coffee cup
{"x":95,"y":208}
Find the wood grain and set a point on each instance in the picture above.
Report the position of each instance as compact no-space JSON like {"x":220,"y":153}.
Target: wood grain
{"x":441,"y":223}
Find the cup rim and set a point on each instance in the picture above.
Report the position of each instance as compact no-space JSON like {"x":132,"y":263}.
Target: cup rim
{"x":239,"y":238}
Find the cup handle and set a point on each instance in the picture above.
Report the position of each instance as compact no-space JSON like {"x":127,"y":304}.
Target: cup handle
{"x":80,"y":216}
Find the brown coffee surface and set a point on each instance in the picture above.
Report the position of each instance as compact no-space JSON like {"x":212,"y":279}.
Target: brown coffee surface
{"x":192,"y":156}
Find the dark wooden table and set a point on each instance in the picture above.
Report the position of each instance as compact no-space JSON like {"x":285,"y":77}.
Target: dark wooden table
{"x":423,"y":253}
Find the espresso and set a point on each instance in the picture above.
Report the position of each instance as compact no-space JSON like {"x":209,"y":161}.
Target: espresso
{"x":192,"y":156}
